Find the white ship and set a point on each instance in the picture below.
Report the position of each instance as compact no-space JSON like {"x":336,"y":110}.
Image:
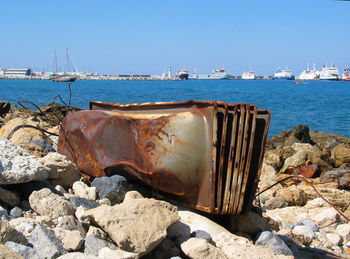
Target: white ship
{"x":310,"y":74}
{"x":329,"y":73}
{"x":285,"y":74}
{"x":346,"y":74}
{"x":250,"y":75}
{"x":215,"y":74}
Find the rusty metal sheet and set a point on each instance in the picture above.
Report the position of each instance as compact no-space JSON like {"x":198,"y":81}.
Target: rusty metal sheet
{"x":202,"y":154}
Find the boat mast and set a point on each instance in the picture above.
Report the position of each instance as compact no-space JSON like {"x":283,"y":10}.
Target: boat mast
{"x":67,"y":61}
{"x":56,"y":69}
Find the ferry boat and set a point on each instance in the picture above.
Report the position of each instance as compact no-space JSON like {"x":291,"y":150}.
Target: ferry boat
{"x":309,"y":74}
{"x":285,"y":74}
{"x":346,"y":74}
{"x":215,"y":74}
{"x":329,"y":73}
{"x":183,"y":75}
{"x":250,"y":75}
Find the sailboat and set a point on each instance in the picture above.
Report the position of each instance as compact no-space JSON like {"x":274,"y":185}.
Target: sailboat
{"x":63,"y":77}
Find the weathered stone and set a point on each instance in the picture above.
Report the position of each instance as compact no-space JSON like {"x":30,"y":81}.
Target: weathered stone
{"x":293,"y":195}
{"x":25,"y":251}
{"x":60,"y":170}
{"x":117,"y":253}
{"x":270,"y":240}
{"x":16,"y":166}
{"x":114,"y":188}
{"x":344,"y":231}
{"x":198,"y":248}
{"x":89,"y":204}
{"x":202,"y":234}
{"x":16,"y":212}
{"x":3,"y":213}
{"x":80,"y":215}
{"x":46,"y":245}
{"x":309,"y":223}
{"x":131,"y":195}
{"x":327,"y":216}
{"x":47,"y":203}
{"x":178,"y":229}
{"x":303,"y":234}
{"x":316,"y":203}
{"x":9,"y":197}
{"x":72,"y":240}
{"x":328,"y":140}
{"x":268,"y":176}
{"x":33,"y":149}
{"x":26,"y":189}
{"x":78,"y":255}
{"x":124,"y":221}
{"x":249,"y":224}
{"x":93,"y":244}
{"x":7,"y":233}
{"x":44,"y":144}
{"x":276,"y":202}
{"x":81,"y":190}
{"x":23,"y":134}
{"x":97,"y":232}
{"x":23,"y":225}
{"x":341,"y":155}
{"x":70,"y":223}
{"x":334,"y":239}
{"x":6,"y":253}
{"x":321,"y":158}
{"x":300,"y":134}
{"x":166,"y":249}
{"x":341,"y":176}
{"x":46,"y":221}
{"x":273,"y":159}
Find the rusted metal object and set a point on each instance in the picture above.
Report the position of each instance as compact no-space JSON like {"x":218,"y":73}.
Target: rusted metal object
{"x":307,"y":171}
{"x":205,"y":155}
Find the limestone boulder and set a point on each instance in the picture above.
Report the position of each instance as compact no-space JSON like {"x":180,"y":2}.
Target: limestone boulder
{"x":17,"y":166}
{"x":300,"y":134}
{"x":272,"y":158}
{"x":341,"y":155}
{"x":83,"y":191}
{"x":46,"y":203}
{"x":293,"y":195}
{"x":60,"y":170}
{"x":198,"y":248}
{"x":303,"y":234}
{"x":117,"y":253}
{"x":8,"y":233}
{"x":327,"y":141}
{"x":136,"y":226}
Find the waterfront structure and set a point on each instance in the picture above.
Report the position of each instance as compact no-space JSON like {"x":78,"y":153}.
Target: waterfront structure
{"x":309,"y":74}
{"x":285,"y":74}
{"x":329,"y":73}
{"x":250,"y":75}
{"x":17,"y":72}
{"x":215,"y":74}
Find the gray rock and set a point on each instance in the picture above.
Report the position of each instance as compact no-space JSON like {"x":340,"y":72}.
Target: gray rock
{"x":3,"y":213}
{"x":46,"y":146}
{"x":25,"y":205}
{"x":93,"y":244}
{"x":275,"y":203}
{"x":308,"y":222}
{"x":303,"y":234}
{"x":9,"y":197}
{"x":269,"y":240}
{"x":45,"y":243}
{"x":8,"y":233}
{"x":16,"y":212}
{"x":89,"y":204}
{"x":113,"y":188}
{"x":202,"y":234}
{"x":17,"y":166}
{"x":25,"y":251}
{"x":70,"y":223}
{"x":6,"y":252}
{"x":178,"y":229}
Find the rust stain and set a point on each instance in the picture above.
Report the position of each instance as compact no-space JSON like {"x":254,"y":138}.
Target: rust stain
{"x":205,"y":155}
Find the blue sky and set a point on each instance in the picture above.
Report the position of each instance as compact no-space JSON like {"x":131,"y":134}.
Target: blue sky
{"x":133,"y":37}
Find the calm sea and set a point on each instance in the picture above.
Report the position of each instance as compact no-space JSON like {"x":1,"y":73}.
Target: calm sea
{"x":321,"y":105}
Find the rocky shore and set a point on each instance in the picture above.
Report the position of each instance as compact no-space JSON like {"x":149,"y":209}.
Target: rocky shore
{"x":48,"y":210}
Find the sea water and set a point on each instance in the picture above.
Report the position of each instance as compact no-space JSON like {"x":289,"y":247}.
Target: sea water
{"x":321,"y":105}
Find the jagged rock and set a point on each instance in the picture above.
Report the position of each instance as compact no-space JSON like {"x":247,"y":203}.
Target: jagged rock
{"x":166,"y":249}
{"x":120,"y":254}
{"x":16,"y":166}
{"x":80,"y":215}
{"x":3,"y":213}
{"x":270,"y":240}
{"x":26,"y":251}
{"x":341,"y":155}
{"x":131,"y":195}
{"x":89,"y":204}
{"x":309,"y":223}
{"x":198,"y":248}
{"x":46,"y":221}
{"x":45,"y":243}
{"x":9,"y":197}
{"x":124,"y":222}
{"x":81,"y":190}
{"x":344,"y":231}
{"x":316,"y":203}
{"x":33,"y":149}
{"x":72,"y":240}
{"x":249,"y":224}
{"x":23,"y":225}
{"x":114,"y":188}
{"x":339,"y":175}
{"x":97,"y":232}
{"x":8,"y":233}
{"x":300,"y":134}
{"x":303,"y":234}
{"x":321,"y":158}
{"x":273,"y":159}
{"x":276,"y":202}
{"x":327,"y":216}
{"x":5,"y":107}
{"x":78,"y":255}
{"x":16,"y":212}
{"x":70,"y":223}
{"x":268,"y":176}
{"x":293,"y":195}
{"x":23,"y":134}
{"x":334,"y":239}
{"x":47,"y":203}
{"x":7,"y":253}
{"x":328,"y":141}
{"x":60,"y":170}
{"x":93,"y":244}
{"x":44,"y":144}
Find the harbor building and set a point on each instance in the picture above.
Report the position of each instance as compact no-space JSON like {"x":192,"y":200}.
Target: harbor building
{"x":17,"y":72}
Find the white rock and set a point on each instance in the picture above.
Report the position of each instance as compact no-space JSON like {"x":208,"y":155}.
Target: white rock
{"x":80,"y":215}
{"x":72,"y":240}
{"x":326,"y":216}
{"x":83,"y":191}
{"x":334,"y":239}
{"x":17,"y":166}
{"x":198,"y":248}
{"x":344,"y":231}
{"x":23,"y":225}
{"x":304,"y":234}
{"x":77,"y":255}
{"x":316,"y":203}
{"x":106,"y":253}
